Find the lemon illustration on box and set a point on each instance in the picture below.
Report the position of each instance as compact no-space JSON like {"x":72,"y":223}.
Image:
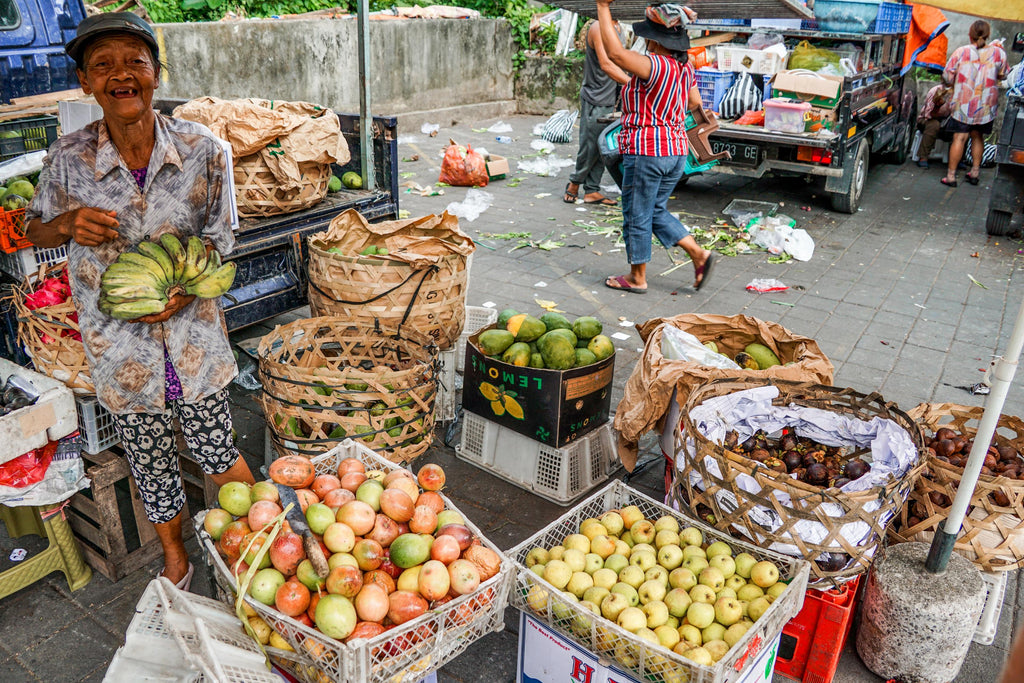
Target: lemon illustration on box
{"x":502,"y":401}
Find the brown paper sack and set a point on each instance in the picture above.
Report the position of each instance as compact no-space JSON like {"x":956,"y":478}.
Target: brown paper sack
{"x":649,"y":389}
{"x":420,"y":242}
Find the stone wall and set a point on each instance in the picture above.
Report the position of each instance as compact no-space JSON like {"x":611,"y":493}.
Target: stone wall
{"x":545,"y":84}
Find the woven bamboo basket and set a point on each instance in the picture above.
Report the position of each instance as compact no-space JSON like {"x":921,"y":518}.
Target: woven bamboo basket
{"x":390,"y":293}
{"x":992,"y":535}
{"x":738,"y":489}
{"x":325,"y":379}
{"x":46,"y":334}
{"x":257,"y":192}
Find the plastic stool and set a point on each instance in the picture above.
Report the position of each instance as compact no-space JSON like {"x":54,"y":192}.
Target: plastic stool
{"x":62,"y":553}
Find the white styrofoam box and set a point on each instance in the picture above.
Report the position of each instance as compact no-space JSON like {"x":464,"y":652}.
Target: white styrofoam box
{"x":445,"y":403}
{"x":476,"y":318}
{"x":560,"y":475}
{"x":27,"y":261}
{"x":546,"y":656}
{"x":95,"y":424}
{"x":74,"y":115}
{"x":50,"y":418}
{"x":988,"y":624}
{"x":776,"y":23}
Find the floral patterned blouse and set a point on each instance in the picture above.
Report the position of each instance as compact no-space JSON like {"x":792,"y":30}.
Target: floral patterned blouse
{"x":184,"y":193}
{"x":975,"y":76}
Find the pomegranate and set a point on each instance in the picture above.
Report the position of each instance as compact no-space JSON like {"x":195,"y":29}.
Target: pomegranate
{"x":306,"y":498}
{"x":380,"y":578}
{"x":365,"y":629}
{"x":335,"y":498}
{"x":459,"y":532}
{"x":232,"y":536}
{"x":424,"y":520}
{"x":445,"y":549}
{"x":465,"y":577}
{"x":345,"y":580}
{"x":286,"y":552}
{"x":351,"y":481}
{"x":405,"y":606}
{"x":369,"y":554}
{"x":263,"y":513}
{"x":408,"y":486}
{"x":350,"y":465}
{"x":292,"y":598}
{"x":384,"y":531}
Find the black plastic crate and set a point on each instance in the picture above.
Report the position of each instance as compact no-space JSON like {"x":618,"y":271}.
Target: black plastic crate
{"x":9,"y":347}
{"x":26,"y":135}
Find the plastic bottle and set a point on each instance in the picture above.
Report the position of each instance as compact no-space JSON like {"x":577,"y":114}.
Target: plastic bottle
{"x":503,"y":139}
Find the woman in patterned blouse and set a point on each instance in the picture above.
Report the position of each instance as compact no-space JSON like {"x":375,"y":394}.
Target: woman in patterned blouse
{"x":974,"y":72}
{"x":131,"y":176}
{"x":653,"y":140}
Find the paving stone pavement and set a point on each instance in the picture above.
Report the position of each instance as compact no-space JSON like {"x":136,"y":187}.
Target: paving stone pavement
{"x":887,"y":295}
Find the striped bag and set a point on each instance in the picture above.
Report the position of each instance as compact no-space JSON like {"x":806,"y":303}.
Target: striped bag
{"x":559,"y":127}
{"x":743,"y":96}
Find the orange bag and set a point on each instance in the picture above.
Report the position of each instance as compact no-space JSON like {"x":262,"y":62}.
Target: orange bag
{"x":463,"y":167}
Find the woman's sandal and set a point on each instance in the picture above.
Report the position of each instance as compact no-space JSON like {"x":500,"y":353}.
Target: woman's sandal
{"x":622,"y":285}
{"x":603,"y":201}
{"x":570,"y":197}
{"x":947,"y":183}
{"x":972,"y":179}
{"x":186,"y":581}
{"x":704,"y":271}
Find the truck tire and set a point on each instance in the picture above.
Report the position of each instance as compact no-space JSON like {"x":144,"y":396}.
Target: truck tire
{"x":998,"y":222}
{"x":901,"y":152}
{"x":848,"y":201}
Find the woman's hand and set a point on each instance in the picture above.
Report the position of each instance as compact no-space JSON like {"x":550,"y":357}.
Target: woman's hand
{"x":177,"y":302}
{"x":89,"y":226}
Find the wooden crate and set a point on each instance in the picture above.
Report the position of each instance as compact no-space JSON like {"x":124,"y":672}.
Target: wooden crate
{"x":109,"y":520}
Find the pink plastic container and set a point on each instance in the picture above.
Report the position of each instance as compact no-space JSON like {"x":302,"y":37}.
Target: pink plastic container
{"x":785,"y":115}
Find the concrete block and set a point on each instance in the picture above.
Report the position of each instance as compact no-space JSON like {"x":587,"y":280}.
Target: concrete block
{"x":917,"y":626}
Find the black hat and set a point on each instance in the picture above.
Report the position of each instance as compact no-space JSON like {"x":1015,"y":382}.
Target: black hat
{"x":664,"y":24}
{"x":110,"y":23}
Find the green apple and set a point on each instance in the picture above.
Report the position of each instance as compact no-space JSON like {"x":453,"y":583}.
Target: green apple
{"x":689,"y":634}
{"x":764,"y":574}
{"x":616,"y":562}
{"x":692,"y":536}
{"x":622,"y":548}
{"x":726,"y":593}
{"x":642,"y":548}
{"x":694,"y":551}
{"x":612,"y":605}
{"x":700,"y":614}
{"x":578,"y":542}
{"x":561,"y":611}
{"x":644,"y":560}
{"x":744,"y":563}
{"x":555,"y":552}
{"x":666,"y":537}
{"x":667,"y":636}
{"x":651,"y":591}
{"x":643,"y":531}
{"x":632,"y":575}
{"x":627,"y":538}
{"x":657,"y":573}
{"x":591,"y":528}
{"x":537,"y":569}
{"x":719,"y":548}
{"x":776,"y":590}
{"x":602,"y":545}
{"x":673,"y":622}
{"x":734,"y":633}
{"x":632,"y":619}
{"x":630,"y":514}
{"x":595,"y":594}
{"x":699,"y":655}
{"x":728,"y":611}
{"x":576,"y":559}
{"x":749,"y":591}
{"x":613,"y":523}
{"x":628,"y":592}
{"x":716,"y":648}
{"x":578,"y":584}
{"x":536,"y":556}
{"x":702,"y":593}
{"x":682,"y":578}
{"x":666,"y":523}
{"x":678,"y":601}
{"x":557,"y":573}
{"x":735,"y":582}
{"x":592,"y":562}
{"x":656,"y":613}
{"x":758,"y":607}
{"x":713,"y":631}
{"x":695,"y":564}
{"x":670,"y":556}
{"x":605,"y":578}
{"x":712,"y":578}
{"x":724,"y":564}
{"x":591,"y":606}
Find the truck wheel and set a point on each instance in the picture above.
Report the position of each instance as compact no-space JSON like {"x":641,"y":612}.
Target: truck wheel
{"x":998,"y":222}
{"x":848,"y":201}
{"x":901,"y":153}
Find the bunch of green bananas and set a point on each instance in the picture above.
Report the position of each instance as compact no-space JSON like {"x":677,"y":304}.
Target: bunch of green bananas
{"x":141,"y":283}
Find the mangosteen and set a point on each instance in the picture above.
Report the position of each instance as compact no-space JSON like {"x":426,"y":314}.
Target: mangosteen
{"x":792,"y":460}
{"x":832,"y":562}
{"x":944,"y":433}
{"x":856,"y":468}
{"x":776,"y":464}
{"x":1008,"y":453}
{"x":939,"y":499}
{"x":749,"y":445}
{"x":841,"y":482}
{"x":930,"y":453}
{"x":913,"y":521}
{"x":760,"y":454}
{"x":811,"y":457}
{"x":731,"y":439}
{"x":817,"y":474}
{"x":942,"y":458}
{"x":1000,"y":499}
{"x":787,"y":442}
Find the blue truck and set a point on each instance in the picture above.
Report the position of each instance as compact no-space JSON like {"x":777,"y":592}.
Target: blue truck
{"x":271,"y":253}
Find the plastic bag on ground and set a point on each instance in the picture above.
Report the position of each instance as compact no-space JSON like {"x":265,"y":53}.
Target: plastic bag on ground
{"x":470,"y":208}
{"x":766,"y":285}
{"x":544,"y":166}
{"x":778,"y":234}
{"x":463,"y":167}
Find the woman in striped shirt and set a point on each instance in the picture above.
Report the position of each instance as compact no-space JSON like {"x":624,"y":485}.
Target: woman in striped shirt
{"x":653,"y":140}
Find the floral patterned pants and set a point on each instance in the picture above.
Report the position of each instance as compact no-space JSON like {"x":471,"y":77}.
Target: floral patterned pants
{"x":149,"y":443}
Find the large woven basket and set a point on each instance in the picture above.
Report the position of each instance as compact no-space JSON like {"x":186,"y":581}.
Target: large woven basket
{"x":257,"y":191}
{"x":992,"y":535}
{"x":390,"y":292}
{"x":46,"y":335}
{"x":325,"y":379}
{"x":735,"y":486}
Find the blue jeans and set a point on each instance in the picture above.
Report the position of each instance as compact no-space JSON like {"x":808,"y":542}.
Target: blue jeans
{"x":647,"y":183}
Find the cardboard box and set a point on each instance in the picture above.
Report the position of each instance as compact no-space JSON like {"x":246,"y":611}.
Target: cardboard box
{"x":820,"y":118}
{"x":546,"y":656}
{"x":557,"y":406}
{"x":819,"y":90}
{"x":497,"y":167}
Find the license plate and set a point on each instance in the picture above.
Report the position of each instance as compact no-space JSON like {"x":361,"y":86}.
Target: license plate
{"x":743,"y":154}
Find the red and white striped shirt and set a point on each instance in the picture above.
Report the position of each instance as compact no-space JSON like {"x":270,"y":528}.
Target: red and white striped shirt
{"x":654,"y":111}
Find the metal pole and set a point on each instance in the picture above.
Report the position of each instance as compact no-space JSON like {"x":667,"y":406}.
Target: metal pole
{"x":365,"y":118}
{"x":1002,"y":375}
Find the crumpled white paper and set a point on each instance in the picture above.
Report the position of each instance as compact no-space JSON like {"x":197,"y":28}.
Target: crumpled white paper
{"x":893,"y":453}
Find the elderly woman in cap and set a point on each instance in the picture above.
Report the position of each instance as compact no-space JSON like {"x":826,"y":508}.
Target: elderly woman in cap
{"x":132,"y":176}
{"x":653,"y":140}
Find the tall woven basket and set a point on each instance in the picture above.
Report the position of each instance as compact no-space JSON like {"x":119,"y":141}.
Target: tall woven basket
{"x":257,"y":191}
{"x":51,"y":336}
{"x":739,"y":491}
{"x":395,"y":293}
{"x":993,"y":531}
{"x":325,"y":379}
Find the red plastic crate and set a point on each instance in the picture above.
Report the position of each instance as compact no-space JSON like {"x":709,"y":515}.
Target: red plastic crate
{"x":813,"y":640}
{"x":12,"y":231}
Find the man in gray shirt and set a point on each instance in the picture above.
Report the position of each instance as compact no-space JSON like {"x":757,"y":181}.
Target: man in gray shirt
{"x":597,"y":99}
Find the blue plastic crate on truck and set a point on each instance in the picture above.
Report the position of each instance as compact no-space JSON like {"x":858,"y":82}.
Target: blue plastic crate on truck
{"x":893,"y":17}
{"x":713,"y":84}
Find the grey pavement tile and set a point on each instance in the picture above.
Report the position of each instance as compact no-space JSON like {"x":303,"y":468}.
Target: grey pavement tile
{"x":907,"y":391}
{"x":13,"y":672}
{"x":881,"y":338}
{"x":494,"y":649}
{"x":52,"y":659}
{"x":39,"y":613}
{"x":853,"y":311}
{"x":873,"y":358}
{"x":932,"y":335}
{"x":859,"y":377}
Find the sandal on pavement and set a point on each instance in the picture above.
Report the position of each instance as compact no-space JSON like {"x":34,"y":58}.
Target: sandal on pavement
{"x":570,"y":197}
{"x":704,"y":271}
{"x":622,"y":284}
{"x":947,"y":183}
{"x":972,"y":179}
{"x":603,"y":201}
{"x":186,"y":581}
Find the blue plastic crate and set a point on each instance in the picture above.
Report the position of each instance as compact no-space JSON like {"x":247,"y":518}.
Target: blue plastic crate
{"x":893,"y":17}
{"x":766,"y":90}
{"x":722,"y":22}
{"x":842,"y":16}
{"x":712,"y":85}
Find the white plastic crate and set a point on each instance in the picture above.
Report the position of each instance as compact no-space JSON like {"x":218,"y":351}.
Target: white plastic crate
{"x":96,"y":425}
{"x":476,"y":318}
{"x":560,"y":475}
{"x":445,"y":403}
{"x":24,"y":262}
{"x":50,"y":418}
{"x":734,"y":57}
{"x":995,"y":584}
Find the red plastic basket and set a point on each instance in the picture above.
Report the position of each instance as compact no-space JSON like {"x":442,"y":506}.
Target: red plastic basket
{"x":813,"y":640}
{"x":12,"y":231}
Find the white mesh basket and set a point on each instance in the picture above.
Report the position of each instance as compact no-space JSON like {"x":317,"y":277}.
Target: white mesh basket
{"x":403,"y":654}
{"x":647,"y":660}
